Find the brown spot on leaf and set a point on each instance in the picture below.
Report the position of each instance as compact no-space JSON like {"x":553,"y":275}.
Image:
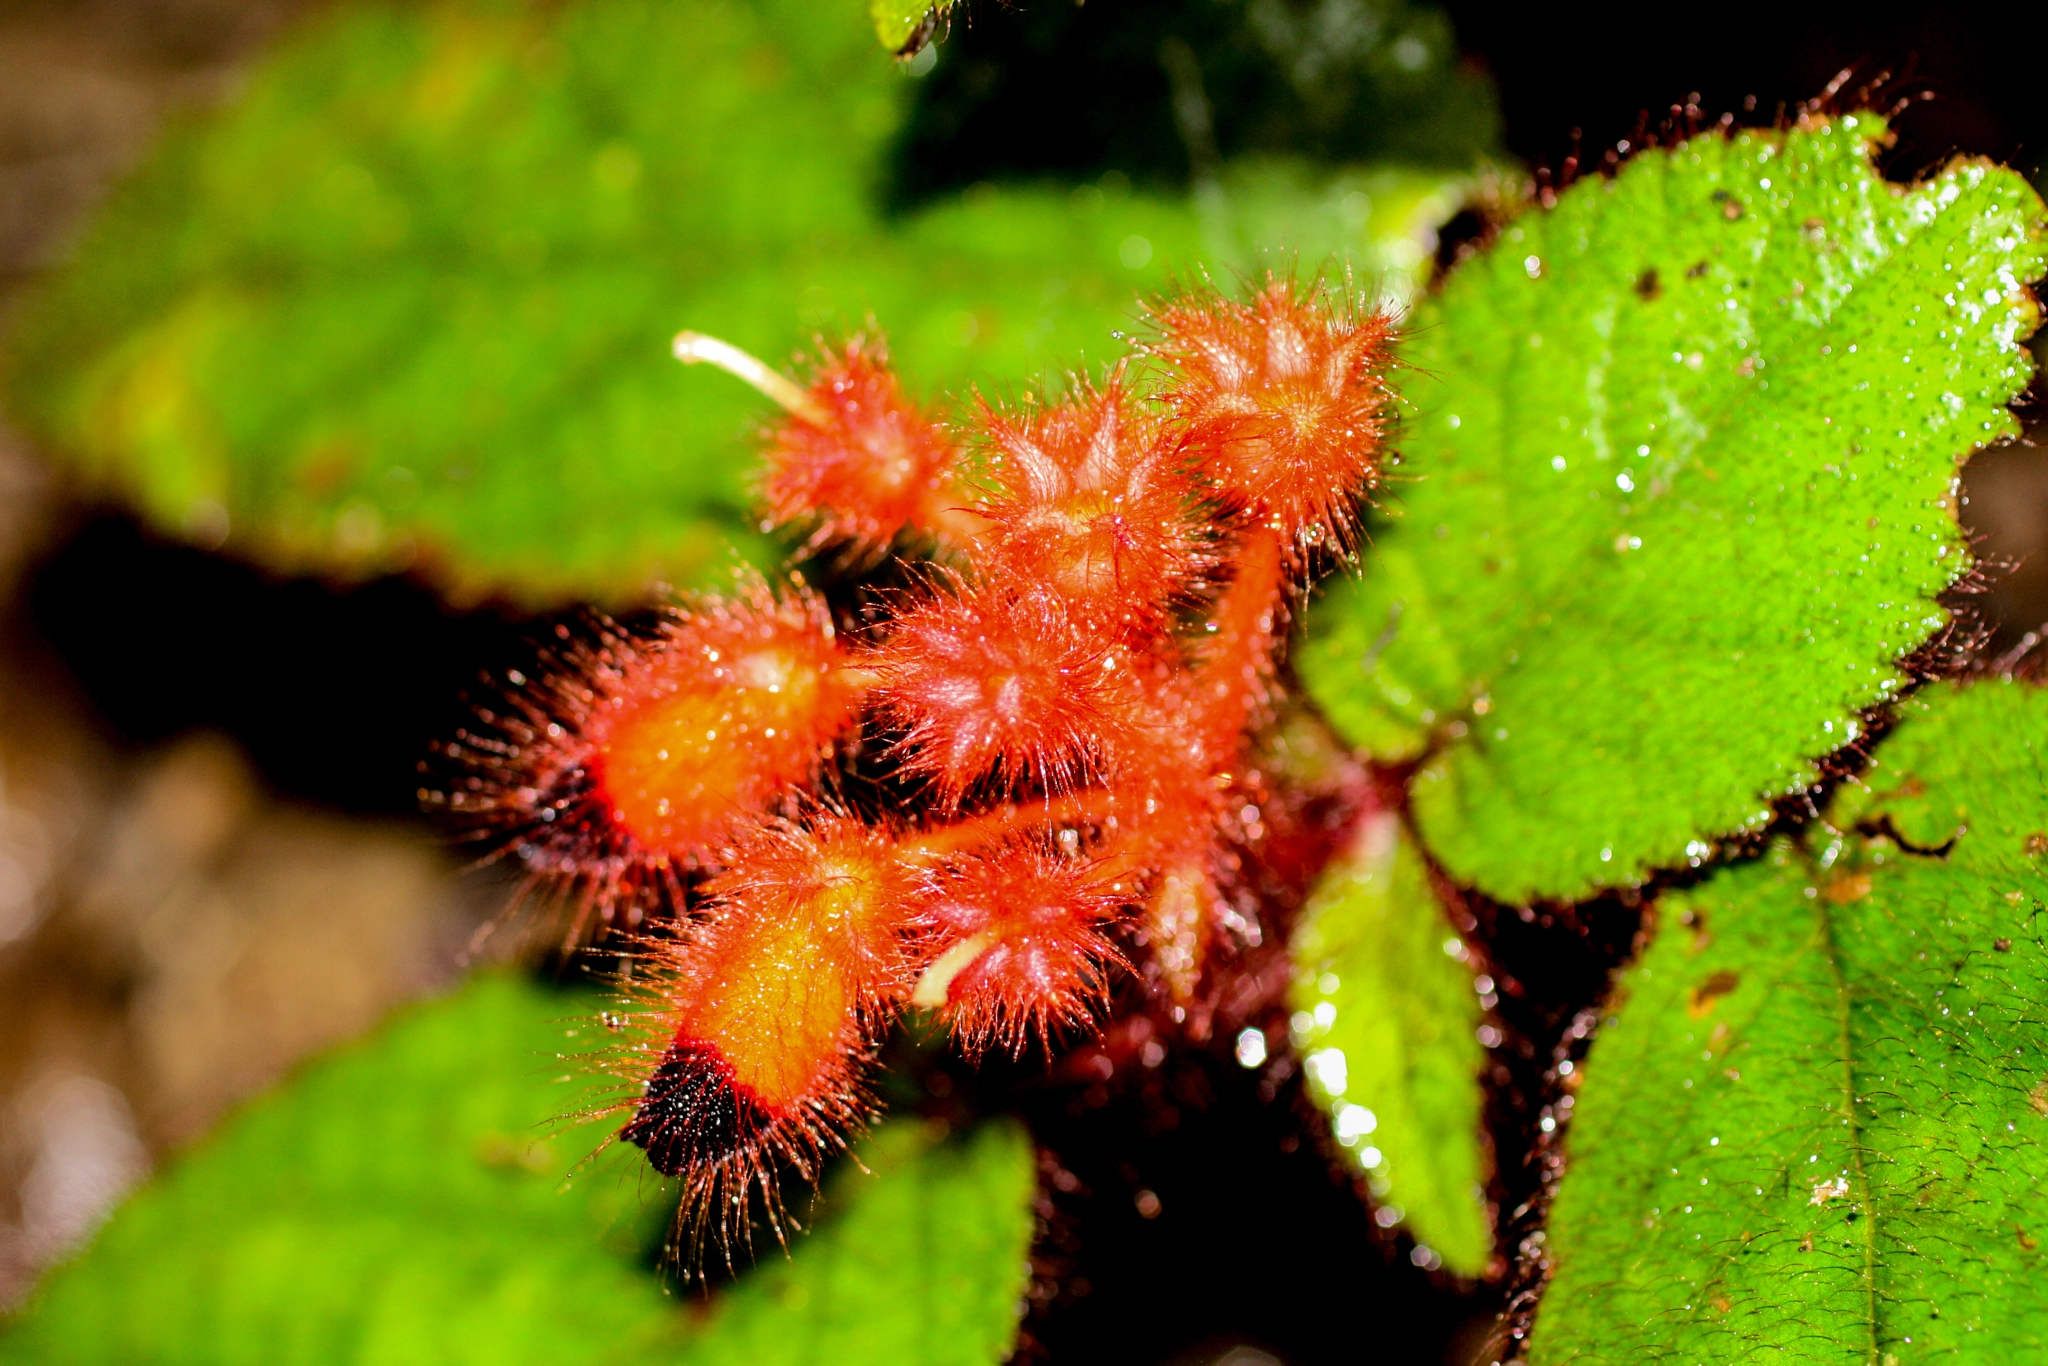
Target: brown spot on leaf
{"x":1806,"y":1243}
{"x":1708,"y":993}
{"x":1847,"y":887}
{"x":2037,"y":844}
{"x":2039,"y":1098}
{"x":1722,"y":1304}
{"x":328,"y":469}
{"x":2026,"y":1242}
{"x":1696,"y":270}
{"x":1647,"y":287}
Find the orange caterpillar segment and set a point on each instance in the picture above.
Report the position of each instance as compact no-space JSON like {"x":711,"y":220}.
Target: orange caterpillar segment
{"x":731,"y":706}
{"x":860,"y":460}
{"x":1285,"y":400}
{"x":984,"y":681}
{"x":768,"y":1004}
{"x":1090,"y":500}
{"x":1024,"y":950}
{"x":815,"y":922}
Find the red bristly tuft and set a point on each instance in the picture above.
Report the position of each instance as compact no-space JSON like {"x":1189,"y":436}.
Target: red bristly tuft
{"x":860,"y":462}
{"x":1284,"y":400}
{"x":1090,"y":499}
{"x":1010,"y":683}
{"x":1023,"y":948}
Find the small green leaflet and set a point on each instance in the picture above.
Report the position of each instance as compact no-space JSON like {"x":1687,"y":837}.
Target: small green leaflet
{"x":406,"y":302}
{"x":905,"y":26}
{"x":411,"y":1199}
{"x":1675,"y":496}
{"x":1385,"y":1021}
{"x":1817,"y":1130}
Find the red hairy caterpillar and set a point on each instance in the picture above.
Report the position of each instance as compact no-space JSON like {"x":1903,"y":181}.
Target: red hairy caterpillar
{"x":1061,"y":697}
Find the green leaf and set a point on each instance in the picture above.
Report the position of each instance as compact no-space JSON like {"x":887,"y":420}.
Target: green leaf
{"x":407,"y":301}
{"x":905,"y":26}
{"x":1818,"y":1129}
{"x":1386,"y":1014}
{"x":925,"y":1263}
{"x":405,"y":1200}
{"x":1676,"y":494}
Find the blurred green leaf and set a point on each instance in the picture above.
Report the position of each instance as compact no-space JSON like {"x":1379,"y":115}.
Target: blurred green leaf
{"x":405,"y":1200}
{"x":1386,"y":1014}
{"x":1675,"y":496}
{"x":407,"y":300}
{"x":1815,"y":1132}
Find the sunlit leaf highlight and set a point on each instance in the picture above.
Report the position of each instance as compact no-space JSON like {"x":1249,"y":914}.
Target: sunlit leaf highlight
{"x":1386,"y":1008}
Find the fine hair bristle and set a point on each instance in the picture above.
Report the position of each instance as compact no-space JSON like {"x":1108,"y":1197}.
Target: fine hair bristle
{"x":515,"y":784}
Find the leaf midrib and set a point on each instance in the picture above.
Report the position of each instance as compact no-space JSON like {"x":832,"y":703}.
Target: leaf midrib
{"x":1846,"y":1091}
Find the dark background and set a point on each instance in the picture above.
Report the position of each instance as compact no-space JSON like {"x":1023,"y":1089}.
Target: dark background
{"x":1053,"y":88}
{"x":1585,"y":73}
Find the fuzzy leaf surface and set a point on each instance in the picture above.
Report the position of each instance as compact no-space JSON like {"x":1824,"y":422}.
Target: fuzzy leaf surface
{"x":1676,"y":496}
{"x":1385,"y":1020}
{"x":406,"y":302}
{"x":405,"y":1200}
{"x":1817,"y":1130}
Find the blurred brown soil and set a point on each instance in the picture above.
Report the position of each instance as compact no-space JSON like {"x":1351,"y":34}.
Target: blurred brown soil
{"x":172,"y":937}
{"x":2006,"y":509}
